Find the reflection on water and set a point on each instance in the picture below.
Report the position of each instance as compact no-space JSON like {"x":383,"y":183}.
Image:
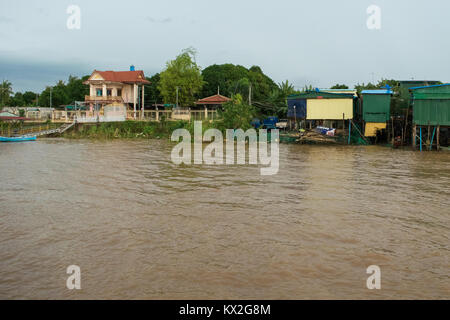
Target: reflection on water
{"x":142,"y":227}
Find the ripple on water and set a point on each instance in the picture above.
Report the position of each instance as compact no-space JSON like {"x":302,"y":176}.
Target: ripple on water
{"x":141,"y":227}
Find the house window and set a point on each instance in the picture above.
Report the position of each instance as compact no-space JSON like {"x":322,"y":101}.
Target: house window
{"x":109,"y":92}
{"x":119,"y":92}
{"x":99,"y":92}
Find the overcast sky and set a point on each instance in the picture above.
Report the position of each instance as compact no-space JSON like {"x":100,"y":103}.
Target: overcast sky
{"x":319,"y":42}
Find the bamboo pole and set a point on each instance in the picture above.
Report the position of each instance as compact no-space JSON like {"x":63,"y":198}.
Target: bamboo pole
{"x":432,"y":138}
{"x":420,"y":128}
{"x":406,"y":125}
{"x":362,"y":136}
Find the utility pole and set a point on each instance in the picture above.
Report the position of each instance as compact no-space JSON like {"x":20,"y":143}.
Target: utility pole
{"x":177,"y":99}
{"x":250,"y":94}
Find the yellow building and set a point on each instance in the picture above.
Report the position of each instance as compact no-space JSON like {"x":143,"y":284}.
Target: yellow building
{"x":318,"y":105}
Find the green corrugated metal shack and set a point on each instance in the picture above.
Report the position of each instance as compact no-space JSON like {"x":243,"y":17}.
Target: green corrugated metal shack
{"x":431,"y":105}
{"x":431,"y":112}
{"x":376,"y":105}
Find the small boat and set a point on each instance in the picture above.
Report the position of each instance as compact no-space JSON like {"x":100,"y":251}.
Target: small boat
{"x":17,"y":139}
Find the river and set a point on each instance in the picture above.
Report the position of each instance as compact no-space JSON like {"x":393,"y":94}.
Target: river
{"x":141,"y":227}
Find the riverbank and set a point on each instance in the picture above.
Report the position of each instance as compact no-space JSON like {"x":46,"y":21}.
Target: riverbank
{"x":127,"y":130}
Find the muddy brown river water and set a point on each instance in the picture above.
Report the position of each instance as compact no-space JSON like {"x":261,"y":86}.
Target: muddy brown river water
{"x":141,"y":227}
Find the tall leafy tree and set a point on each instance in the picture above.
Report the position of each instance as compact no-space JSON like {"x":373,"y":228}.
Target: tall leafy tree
{"x":182,"y":73}
{"x":29,"y":98}
{"x":75,"y":89}
{"x":224,"y":77}
{"x":5,"y":92}
{"x":152,"y":93}
{"x":17,"y":100}
{"x":234,"y":79}
{"x":59,"y":95}
{"x":262,"y":85}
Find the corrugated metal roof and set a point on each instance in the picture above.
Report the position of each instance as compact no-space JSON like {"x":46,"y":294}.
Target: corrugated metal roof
{"x":377,"y":91}
{"x":437,"y":85}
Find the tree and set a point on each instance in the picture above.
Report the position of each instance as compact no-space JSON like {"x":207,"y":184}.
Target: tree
{"x":182,"y":73}
{"x":5,"y":92}
{"x":233,"y":79}
{"x":286,"y":88}
{"x":225,"y":77}
{"x":29,"y":98}
{"x":262,"y":85}
{"x":75,"y":89}
{"x":152,"y":93}
{"x":370,"y":86}
{"x":339,"y":86}
{"x":58,"y":93}
{"x":276,"y":103}
{"x":236,"y":114}
{"x":17,"y":100}
{"x":61,"y":93}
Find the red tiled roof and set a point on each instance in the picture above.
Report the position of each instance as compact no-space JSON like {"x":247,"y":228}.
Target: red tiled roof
{"x":216,"y":99}
{"x":13,"y":118}
{"x":123,"y":76}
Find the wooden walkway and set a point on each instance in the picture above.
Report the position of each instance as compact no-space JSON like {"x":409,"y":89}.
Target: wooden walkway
{"x":59,"y":130}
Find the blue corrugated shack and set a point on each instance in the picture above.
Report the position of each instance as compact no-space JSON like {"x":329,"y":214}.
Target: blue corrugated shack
{"x":296,"y":108}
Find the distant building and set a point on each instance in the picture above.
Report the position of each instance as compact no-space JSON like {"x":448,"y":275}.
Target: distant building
{"x":8,"y":116}
{"x":108,"y":87}
{"x":213,"y":101}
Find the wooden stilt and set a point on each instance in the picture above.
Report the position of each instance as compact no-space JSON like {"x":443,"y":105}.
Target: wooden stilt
{"x":406,"y":126}
{"x":432,"y":139}
{"x":393,"y":132}
{"x":428,"y":135}
{"x":349,"y":130}
{"x":414,"y":137}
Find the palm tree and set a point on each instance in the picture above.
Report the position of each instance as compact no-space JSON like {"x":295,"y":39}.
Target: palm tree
{"x":5,"y":92}
{"x":286,"y":88}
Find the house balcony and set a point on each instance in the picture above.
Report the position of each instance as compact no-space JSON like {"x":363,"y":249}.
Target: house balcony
{"x":103,"y":100}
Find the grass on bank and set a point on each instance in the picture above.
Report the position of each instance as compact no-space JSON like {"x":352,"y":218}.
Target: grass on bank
{"x":133,"y":129}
